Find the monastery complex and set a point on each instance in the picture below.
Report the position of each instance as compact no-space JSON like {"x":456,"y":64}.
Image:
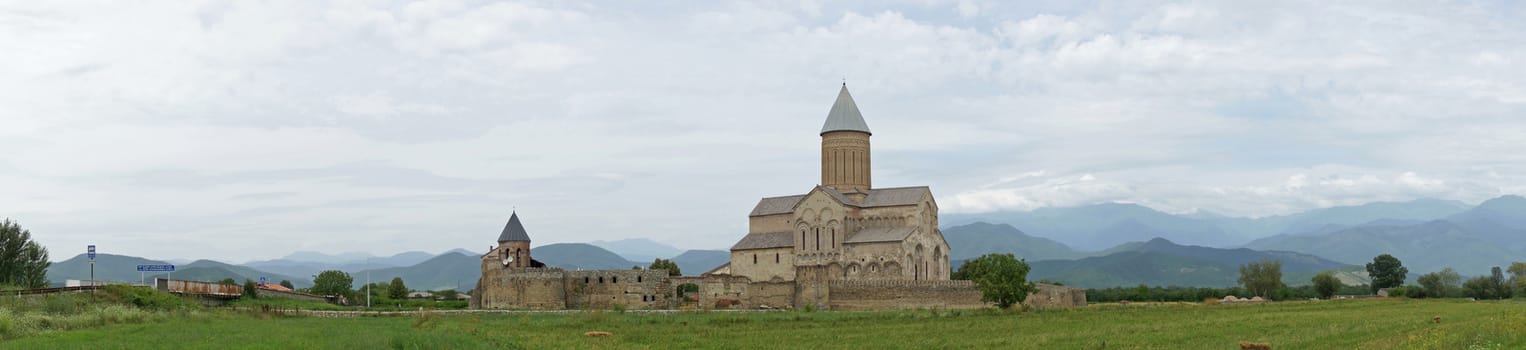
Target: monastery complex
{"x":844,"y":245}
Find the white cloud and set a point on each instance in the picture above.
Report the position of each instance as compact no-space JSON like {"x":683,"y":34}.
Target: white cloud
{"x":433,"y":117}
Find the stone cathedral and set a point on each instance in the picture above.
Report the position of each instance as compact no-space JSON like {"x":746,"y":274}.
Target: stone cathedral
{"x":843,"y":245}
{"x":844,"y":225}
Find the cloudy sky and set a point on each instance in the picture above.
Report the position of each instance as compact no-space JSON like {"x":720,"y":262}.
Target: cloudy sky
{"x":243,"y":130}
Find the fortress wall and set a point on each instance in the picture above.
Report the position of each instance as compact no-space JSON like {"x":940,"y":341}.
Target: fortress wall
{"x":743,"y":293}
{"x":884,"y":295}
{"x":520,"y":288}
{"x":602,"y":289}
{"x":1049,"y":295}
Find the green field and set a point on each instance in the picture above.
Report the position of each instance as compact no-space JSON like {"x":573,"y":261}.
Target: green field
{"x":1367,"y":324}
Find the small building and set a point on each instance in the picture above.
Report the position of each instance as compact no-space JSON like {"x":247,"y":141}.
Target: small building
{"x":420,"y":295}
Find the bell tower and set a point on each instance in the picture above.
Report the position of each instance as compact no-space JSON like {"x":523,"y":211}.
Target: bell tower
{"x":845,"y":148}
{"x":514,"y":244}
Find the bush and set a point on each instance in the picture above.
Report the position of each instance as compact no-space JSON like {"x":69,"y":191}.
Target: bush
{"x":1414,"y":292}
{"x":1395,"y":292}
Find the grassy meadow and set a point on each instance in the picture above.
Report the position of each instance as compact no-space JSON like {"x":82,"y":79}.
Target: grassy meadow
{"x":1345,"y":324}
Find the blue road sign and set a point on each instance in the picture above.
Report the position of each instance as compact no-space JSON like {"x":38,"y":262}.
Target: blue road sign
{"x":156,"y":267}
{"x":262,"y":279}
{"x":90,"y":252}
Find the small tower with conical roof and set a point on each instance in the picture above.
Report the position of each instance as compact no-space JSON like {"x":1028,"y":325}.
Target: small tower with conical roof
{"x":514,"y":244}
{"x":845,"y":148}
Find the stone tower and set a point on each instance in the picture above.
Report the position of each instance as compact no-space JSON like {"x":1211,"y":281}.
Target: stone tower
{"x":514,"y":244}
{"x":845,"y":148}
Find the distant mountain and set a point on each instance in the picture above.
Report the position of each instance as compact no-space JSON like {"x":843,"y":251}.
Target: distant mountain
{"x":212,"y":271}
{"x":451,"y":270}
{"x":341,"y":258}
{"x":1422,"y":248}
{"x":1159,"y":262}
{"x":580,"y":256}
{"x":108,"y":267}
{"x":976,"y":239}
{"x":695,"y":262}
{"x":1096,"y":227}
{"x":638,"y":249}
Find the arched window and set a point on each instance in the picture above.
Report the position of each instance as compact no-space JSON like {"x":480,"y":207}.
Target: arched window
{"x":638,"y":278}
{"x":818,"y":238}
{"x":834,"y":238}
{"x":615,"y":279}
{"x":586,"y":280}
{"x":755,"y":259}
{"x":601,"y":279}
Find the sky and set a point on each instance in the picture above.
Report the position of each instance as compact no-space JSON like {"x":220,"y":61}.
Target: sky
{"x":238,"y":130}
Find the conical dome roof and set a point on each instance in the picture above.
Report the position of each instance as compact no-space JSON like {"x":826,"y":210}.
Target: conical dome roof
{"x":514,"y":231}
{"x":844,"y":115}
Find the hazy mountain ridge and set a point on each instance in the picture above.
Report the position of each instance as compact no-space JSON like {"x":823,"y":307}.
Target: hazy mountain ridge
{"x":1100,"y":226}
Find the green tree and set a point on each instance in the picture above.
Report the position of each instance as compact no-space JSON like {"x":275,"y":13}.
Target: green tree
{"x":1262,"y":277}
{"x":447,"y":294}
{"x":23,"y":262}
{"x":1001,"y":278}
{"x":1386,"y":271}
{"x":288,"y":285}
{"x":1325,"y":284}
{"x":333,"y":282}
{"x":667,"y":265}
{"x":396,"y":290}
{"x":228,"y":281}
{"x":1441,"y":284}
{"x":1518,"y":278}
{"x":250,"y":292}
{"x":1502,"y":287}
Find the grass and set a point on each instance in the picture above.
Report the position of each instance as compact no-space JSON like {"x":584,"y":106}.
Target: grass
{"x":27,"y":315}
{"x":1354,"y":324}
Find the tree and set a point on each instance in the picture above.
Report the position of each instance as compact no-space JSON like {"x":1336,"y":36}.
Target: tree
{"x":23,"y":262}
{"x":250,"y":292}
{"x":228,"y":281}
{"x":1386,"y":271}
{"x":447,"y":294}
{"x":1441,"y":284}
{"x":1492,"y":286}
{"x":1518,"y":278}
{"x":667,"y":265}
{"x":1001,"y":278}
{"x":397,"y":290}
{"x":333,"y":282}
{"x":1502,"y":288}
{"x":1325,"y":284}
{"x":288,"y":285}
{"x":1262,"y":277}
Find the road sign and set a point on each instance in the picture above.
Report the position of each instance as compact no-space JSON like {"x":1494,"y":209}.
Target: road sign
{"x":156,"y":267}
{"x":262,"y":279}
{"x":90,"y":252}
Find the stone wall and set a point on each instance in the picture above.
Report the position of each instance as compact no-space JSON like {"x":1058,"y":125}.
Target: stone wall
{"x":526,"y":288}
{"x":1049,"y":295}
{"x":602,"y":289}
{"x":887,"y":295}
{"x":270,"y":293}
{"x":742,"y":292}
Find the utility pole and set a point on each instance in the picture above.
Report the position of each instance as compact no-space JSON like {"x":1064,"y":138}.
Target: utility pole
{"x":368,"y":283}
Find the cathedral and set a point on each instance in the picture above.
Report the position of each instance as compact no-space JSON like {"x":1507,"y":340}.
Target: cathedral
{"x":843,"y":226}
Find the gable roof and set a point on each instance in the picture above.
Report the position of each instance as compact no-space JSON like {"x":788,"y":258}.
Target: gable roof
{"x":881,"y":234}
{"x":776,"y":205}
{"x":765,"y":241}
{"x":882,"y":197}
{"x":844,"y":115}
{"x":887,"y":197}
{"x":513,"y":231}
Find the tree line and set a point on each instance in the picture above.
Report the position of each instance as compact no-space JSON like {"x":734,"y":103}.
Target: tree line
{"x":1264,"y":279}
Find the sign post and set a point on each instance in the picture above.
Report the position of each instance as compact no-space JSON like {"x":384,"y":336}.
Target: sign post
{"x":170,"y":269}
{"x":90,"y":252}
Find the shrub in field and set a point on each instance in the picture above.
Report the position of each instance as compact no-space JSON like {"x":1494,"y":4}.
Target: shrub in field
{"x":1261,"y":278}
{"x":1386,"y":271}
{"x":1414,"y":292}
{"x":1325,"y":284}
{"x":1001,"y":278}
{"x":1441,"y":284}
{"x":1396,"y":292}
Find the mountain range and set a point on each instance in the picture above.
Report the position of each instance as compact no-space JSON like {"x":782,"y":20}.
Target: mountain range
{"x":1078,"y":246}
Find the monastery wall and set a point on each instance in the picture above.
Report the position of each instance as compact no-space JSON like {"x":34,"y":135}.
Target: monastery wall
{"x":602,"y":289}
{"x":1049,"y":295}
{"x":903,"y":294}
{"x":527,"y":288}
